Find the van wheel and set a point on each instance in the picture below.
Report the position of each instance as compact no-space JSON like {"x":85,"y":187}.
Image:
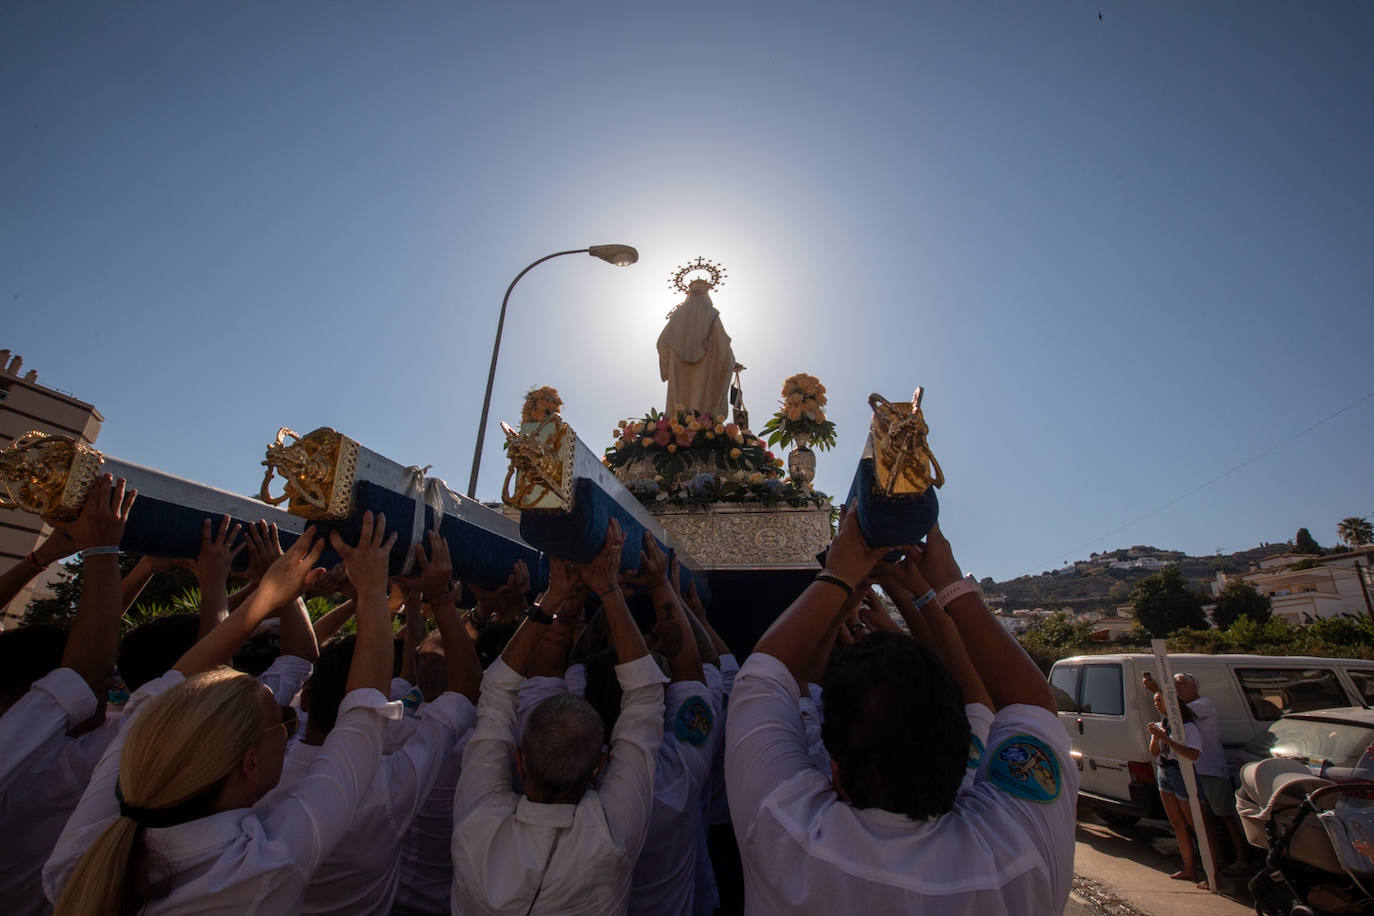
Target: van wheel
{"x":1114,"y":819}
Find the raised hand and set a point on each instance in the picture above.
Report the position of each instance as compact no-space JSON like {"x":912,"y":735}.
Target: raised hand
{"x":564,"y":581}
{"x":937,"y":563}
{"x":264,"y":547}
{"x":289,"y":575}
{"x":102,"y":519}
{"x":849,"y":556}
{"x":653,"y":567}
{"x":367,"y":562}
{"x":602,"y":574}
{"x":218,"y":547}
{"x":436,"y":567}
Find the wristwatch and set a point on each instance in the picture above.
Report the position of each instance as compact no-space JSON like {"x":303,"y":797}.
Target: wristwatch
{"x":536,"y":615}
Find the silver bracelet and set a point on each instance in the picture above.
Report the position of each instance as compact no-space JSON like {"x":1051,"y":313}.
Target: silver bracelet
{"x":98,"y":552}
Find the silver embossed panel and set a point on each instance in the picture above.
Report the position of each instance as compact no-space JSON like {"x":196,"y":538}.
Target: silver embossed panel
{"x":749,"y":537}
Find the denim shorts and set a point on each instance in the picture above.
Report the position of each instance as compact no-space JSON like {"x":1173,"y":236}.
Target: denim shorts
{"x":1170,"y":780}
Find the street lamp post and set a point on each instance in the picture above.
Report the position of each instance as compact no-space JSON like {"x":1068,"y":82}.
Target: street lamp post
{"x":619,"y":255}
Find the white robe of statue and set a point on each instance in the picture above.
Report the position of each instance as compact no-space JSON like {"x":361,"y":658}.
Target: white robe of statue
{"x":694,"y":356}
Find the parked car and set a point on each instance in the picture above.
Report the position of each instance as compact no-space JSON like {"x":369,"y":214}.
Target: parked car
{"x":1330,"y":741}
{"x":1105,"y":709}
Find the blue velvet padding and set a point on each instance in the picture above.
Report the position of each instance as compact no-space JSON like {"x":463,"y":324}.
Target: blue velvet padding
{"x":166,"y":529}
{"x":578,"y":535}
{"x":479,"y":556}
{"x":890,"y":521}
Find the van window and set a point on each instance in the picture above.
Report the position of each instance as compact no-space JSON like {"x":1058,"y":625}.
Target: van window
{"x":1363,"y":679}
{"x":1102,"y":695}
{"x":1064,"y":685}
{"x":1271,"y":692}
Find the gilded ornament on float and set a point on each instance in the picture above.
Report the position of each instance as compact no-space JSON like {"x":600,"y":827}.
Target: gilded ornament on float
{"x":541,"y":456}
{"x":47,"y":475}
{"x":903,"y":463}
{"x":317,"y":472}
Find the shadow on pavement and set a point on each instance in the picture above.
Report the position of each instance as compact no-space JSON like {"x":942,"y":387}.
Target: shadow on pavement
{"x":1149,"y":843}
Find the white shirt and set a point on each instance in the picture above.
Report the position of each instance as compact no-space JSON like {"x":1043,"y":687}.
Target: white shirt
{"x":56,"y":702}
{"x":717,"y":808}
{"x":360,"y":876}
{"x":35,"y":809}
{"x":33,"y":814}
{"x":241,"y":860}
{"x":426,"y":857}
{"x":1211,"y":760}
{"x":508,"y":850}
{"x":805,"y":851}
{"x":666,"y":873}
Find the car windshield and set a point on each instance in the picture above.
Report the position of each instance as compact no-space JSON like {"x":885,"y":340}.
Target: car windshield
{"x":1336,"y":743}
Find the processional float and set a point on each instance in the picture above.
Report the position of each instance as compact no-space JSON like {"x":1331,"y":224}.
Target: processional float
{"x":706,"y":488}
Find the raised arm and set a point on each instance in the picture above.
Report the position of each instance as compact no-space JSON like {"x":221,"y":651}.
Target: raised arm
{"x":931,"y":626}
{"x":284,"y":581}
{"x":218,"y":547}
{"x":94,"y":636}
{"x":437,"y":585}
{"x":366,"y":564}
{"x":794,"y":637}
{"x":602,"y":576}
{"x":675,"y":638}
{"x":550,"y":658}
{"x":706,"y":649}
{"x":1006,"y":670}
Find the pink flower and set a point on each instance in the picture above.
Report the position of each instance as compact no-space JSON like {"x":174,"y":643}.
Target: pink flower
{"x":662,"y":436}
{"x":663,"y":423}
{"x":704,"y":419}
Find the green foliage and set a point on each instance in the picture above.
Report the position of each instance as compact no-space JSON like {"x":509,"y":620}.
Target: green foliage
{"x":1309,"y":563}
{"x":1238,"y":599}
{"x":1355,"y":531}
{"x":1163,"y":603}
{"x":1331,"y":637}
{"x":781,"y":432}
{"x":1303,"y":542}
{"x":1056,"y":637}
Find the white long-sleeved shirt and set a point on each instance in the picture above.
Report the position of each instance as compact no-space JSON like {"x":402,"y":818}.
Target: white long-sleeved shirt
{"x":34,"y":812}
{"x":360,"y":876}
{"x":1005,"y":848}
{"x":426,"y":883}
{"x":55,"y":703}
{"x":512,"y":855}
{"x":241,"y":860}
{"x":668,"y":874}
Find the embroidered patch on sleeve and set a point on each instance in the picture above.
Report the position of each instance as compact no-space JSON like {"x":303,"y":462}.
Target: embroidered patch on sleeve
{"x":694,"y":721}
{"x":1024,"y":767}
{"x":975,"y":752}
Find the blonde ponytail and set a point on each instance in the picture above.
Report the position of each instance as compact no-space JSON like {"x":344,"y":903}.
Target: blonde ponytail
{"x":180,"y":748}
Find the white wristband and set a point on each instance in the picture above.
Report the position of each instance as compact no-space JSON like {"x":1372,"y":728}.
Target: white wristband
{"x":964,"y":586}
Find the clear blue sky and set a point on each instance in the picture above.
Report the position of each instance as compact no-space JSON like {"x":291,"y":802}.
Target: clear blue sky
{"x":1123,"y":256}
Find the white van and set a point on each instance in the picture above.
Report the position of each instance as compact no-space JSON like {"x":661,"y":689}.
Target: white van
{"x":1105,"y":709}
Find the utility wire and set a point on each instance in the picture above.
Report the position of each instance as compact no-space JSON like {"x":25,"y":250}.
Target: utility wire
{"x":1222,"y":476}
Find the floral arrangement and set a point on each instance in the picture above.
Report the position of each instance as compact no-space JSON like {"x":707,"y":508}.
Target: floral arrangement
{"x":737,"y":487}
{"x":673,"y":443}
{"x":540,"y":404}
{"x":802,"y":415}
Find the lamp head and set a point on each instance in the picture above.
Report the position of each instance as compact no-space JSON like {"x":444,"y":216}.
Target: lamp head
{"x":619,"y":255}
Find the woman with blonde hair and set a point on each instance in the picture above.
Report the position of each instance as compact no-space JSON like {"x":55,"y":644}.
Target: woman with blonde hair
{"x":167,"y":824}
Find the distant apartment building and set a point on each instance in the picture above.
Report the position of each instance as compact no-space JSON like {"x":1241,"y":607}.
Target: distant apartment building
{"x":1336,"y":585}
{"x":26,"y":405}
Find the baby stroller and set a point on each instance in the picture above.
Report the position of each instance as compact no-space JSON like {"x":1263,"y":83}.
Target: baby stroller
{"x":1319,"y":835}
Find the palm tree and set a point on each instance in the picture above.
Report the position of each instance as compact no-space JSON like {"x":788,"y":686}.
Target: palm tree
{"x":1355,"y":531}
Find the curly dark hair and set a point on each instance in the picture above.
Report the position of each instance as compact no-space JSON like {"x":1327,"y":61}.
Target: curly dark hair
{"x":895,"y":726}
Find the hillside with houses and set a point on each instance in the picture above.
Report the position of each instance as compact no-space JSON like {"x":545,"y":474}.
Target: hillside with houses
{"x":1302,"y":587}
